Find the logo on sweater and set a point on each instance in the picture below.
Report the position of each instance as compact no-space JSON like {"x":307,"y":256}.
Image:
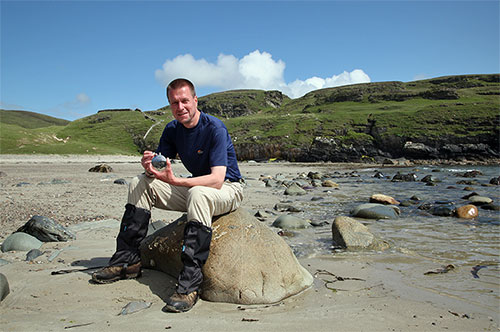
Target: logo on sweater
{"x":199,"y":151}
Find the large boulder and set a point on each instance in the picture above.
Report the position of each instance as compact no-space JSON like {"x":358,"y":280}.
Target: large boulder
{"x":248,"y":263}
{"x":350,"y":234}
{"x":46,"y":230}
{"x":4,"y":287}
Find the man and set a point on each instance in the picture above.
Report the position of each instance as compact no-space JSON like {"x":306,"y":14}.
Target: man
{"x":205,"y":148}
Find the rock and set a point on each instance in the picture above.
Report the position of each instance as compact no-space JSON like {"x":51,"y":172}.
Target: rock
{"x":286,"y":207}
{"x":46,"y":230}
{"x":3,"y":262}
{"x":470,"y":195}
{"x":248,"y":262}
{"x":287,"y":221}
{"x":4,"y":287}
{"x":294,"y":190}
{"x":135,"y":306}
{"x":467,"y":211}
{"x":404,"y":177}
{"x":314,"y":175}
{"x":101,"y":168}
{"x":480,"y":200}
{"x":383,"y":199}
{"x":329,"y":184}
{"x":430,"y":179}
{"x":20,"y":241}
{"x":319,"y":223}
{"x":491,"y":206}
{"x":419,"y":150}
{"x":379,"y":175}
{"x":2,"y":174}
{"x":351,"y":234}
{"x":443,"y":210}
{"x":32,"y":254}
{"x":120,"y":181}
{"x":376,"y":211}
{"x":495,"y":181}
{"x":470,"y":174}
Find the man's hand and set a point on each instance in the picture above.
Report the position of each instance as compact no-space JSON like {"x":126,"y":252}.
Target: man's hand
{"x":146,"y":162}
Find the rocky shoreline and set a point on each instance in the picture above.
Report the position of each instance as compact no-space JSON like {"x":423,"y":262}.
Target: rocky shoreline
{"x":353,"y":291}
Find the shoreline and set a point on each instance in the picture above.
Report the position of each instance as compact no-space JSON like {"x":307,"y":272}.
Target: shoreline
{"x":385,"y":300}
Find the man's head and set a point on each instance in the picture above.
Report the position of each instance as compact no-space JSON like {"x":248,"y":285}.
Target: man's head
{"x":183,"y":102}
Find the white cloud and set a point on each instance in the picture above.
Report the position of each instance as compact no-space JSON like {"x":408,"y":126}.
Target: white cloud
{"x":256,"y":70}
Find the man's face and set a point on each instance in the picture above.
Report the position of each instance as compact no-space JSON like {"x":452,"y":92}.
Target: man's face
{"x":184,"y":106}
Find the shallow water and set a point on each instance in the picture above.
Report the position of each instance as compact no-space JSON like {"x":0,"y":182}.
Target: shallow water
{"x":422,"y":241}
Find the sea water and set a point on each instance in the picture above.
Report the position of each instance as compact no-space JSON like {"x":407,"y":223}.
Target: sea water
{"x":420,"y":242}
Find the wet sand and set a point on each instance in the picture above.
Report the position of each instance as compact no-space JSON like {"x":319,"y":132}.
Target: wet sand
{"x":91,"y":205}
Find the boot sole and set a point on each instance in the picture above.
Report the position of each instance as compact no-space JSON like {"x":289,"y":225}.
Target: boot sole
{"x":170,"y":308}
{"x":117,"y":278}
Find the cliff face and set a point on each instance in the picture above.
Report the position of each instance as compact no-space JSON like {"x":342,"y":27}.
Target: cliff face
{"x":453,"y":117}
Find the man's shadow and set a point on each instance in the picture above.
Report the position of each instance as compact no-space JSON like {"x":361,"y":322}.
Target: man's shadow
{"x":160,"y":283}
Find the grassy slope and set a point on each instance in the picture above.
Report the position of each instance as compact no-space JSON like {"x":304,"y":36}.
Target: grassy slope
{"x":29,"y":120}
{"x":341,"y":112}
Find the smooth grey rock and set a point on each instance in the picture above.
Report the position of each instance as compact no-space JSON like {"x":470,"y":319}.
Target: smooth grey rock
{"x":376,"y":211}
{"x":21,"y":242}
{"x":248,"y":262}
{"x":295,"y":190}
{"x":480,"y":200}
{"x":287,"y":221}
{"x":46,"y":230}
{"x":4,"y":287}
{"x":32,"y":254}
{"x":120,"y":181}
{"x":351,"y":234}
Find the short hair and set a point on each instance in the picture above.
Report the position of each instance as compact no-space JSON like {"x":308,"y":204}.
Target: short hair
{"x":179,"y":83}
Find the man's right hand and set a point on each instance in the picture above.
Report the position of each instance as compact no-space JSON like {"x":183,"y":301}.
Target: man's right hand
{"x":146,"y":161}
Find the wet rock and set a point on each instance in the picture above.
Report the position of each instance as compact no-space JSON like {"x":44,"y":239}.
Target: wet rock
{"x":248,"y":262}
{"x":376,"y":211}
{"x":383,"y":199}
{"x":379,"y":175}
{"x":470,"y":174}
{"x":46,"y":230}
{"x":287,"y":221}
{"x":32,"y":254}
{"x":491,"y":207}
{"x":495,"y":181}
{"x":4,"y":287}
{"x":404,"y":177}
{"x":430,"y":179}
{"x":467,"y":212}
{"x":443,"y":210}
{"x":351,"y":234}
{"x":21,"y":242}
{"x":470,"y":195}
{"x":294,"y":190}
{"x":480,"y":200}
{"x":120,"y":181}
{"x":101,"y":168}
{"x":316,"y":198}
{"x":468,"y":188}
{"x":415,"y":198}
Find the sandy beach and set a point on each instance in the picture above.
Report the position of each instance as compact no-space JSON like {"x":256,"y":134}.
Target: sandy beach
{"x":91,"y":205}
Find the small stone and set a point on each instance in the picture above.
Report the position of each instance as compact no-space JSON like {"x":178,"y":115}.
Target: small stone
{"x":120,"y":181}
{"x":383,"y":199}
{"x":290,"y":222}
{"x":467,"y":211}
{"x":101,"y":168}
{"x":480,"y":200}
{"x":32,"y":254}
{"x":330,"y":184}
{"x":294,"y":190}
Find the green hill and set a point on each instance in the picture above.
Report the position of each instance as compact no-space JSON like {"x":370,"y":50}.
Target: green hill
{"x":450,"y":117}
{"x":29,"y":120}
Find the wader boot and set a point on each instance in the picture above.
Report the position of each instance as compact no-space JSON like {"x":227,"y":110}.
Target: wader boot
{"x":197,"y":238}
{"x":126,"y":261}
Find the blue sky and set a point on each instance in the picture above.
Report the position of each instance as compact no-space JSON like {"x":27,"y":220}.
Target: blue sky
{"x":69,"y":59}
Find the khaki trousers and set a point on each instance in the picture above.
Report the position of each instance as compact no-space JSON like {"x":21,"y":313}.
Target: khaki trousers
{"x":201,"y":203}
